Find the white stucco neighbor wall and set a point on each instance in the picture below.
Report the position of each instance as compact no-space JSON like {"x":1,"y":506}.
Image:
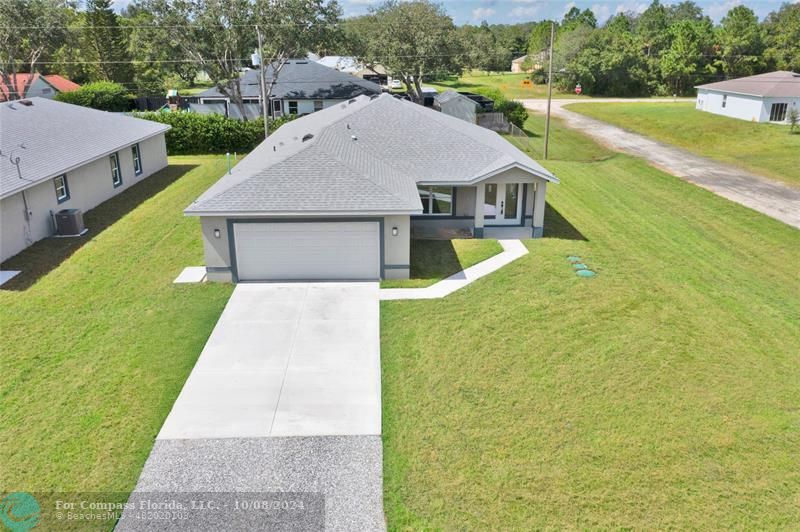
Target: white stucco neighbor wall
{"x":89,"y":185}
{"x":743,"y":107}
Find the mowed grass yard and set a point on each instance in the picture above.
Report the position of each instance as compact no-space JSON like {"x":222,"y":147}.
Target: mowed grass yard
{"x":509,"y":84}
{"x":662,"y":393}
{"x":95,"y":352}
{"x":765,"y":149}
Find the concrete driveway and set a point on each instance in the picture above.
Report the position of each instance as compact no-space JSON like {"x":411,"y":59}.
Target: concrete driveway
{"x":278,"y":426}
{"x":289,"y":359}
{"x":774,"y":199}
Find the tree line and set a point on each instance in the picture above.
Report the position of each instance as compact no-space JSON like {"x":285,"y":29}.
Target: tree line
{"x":155,"y":45}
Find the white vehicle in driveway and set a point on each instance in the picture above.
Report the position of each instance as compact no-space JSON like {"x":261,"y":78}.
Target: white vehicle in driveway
{"x":395,"y":84}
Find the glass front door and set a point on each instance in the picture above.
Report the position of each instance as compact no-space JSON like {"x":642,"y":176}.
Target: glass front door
{"x":502,"y":203}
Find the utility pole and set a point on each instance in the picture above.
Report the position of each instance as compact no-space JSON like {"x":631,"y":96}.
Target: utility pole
{"x":549,"y":89}
{"x":264,"y":102}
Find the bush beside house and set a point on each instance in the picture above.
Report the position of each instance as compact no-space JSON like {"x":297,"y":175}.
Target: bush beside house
{"x":102,"y":95}
{"x":513,"y":111}
{"x":194,"y":133}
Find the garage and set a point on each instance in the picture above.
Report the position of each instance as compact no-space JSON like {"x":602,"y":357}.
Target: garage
{"x":307,"y":251}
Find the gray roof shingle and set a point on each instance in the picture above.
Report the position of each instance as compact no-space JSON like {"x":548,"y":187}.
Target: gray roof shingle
{"x":304,"y":80}
{"x":366,"y":155}
{"x":779,"y":84}
{"x":51,"y":138}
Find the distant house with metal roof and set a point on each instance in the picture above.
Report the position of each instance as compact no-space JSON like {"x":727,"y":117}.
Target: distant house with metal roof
{"x":762,"y":98}
{"x":302,"y":87}
{"x":458,"y":105}
{"x":33,"y":85}
{"x":56,"y":156}
{"x":337,"y":194}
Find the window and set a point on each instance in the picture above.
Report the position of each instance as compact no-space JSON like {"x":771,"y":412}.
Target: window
{"x":116,"y":173}
{"x":317,"y":105}
{"x":724,"y":100}
{"x":292,"y":108}
{"x":777,"y":112}
{"x":62,"y":188}
{"x":436,"y":200}
{"x":276,"y":108}
{"x":137,"y":159}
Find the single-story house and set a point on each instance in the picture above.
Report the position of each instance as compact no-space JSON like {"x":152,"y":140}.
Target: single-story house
{"x":761,"y":98}
{"x":32,"y":85}
{"x":56,"y":156}
{"x":458,"y":105}
{"x":375,"y":73}
{"x":302,"y":87}
{"x":335,"y":195}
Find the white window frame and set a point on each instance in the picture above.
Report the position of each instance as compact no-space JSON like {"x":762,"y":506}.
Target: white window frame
{"x":774,"y":107}
{"x":430,"y":200}
{"x":296,"y":107}
{"x":277,"y":108}
{"x":116,"y":171}
{"x":320,"y":107}
{"x":136,"y":152}
{"x":62,"y":189}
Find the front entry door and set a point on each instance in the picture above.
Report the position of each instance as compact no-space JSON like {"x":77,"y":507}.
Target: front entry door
{"x":502,"y":203}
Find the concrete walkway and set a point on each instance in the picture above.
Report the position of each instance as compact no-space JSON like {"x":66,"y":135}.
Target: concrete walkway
{"x":284,"y":402}
{"x":512,"y":250}
{"x":776,"y":200}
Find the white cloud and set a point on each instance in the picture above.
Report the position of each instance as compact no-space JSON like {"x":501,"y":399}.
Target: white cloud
{"x":482,"y":13}
{"x":568,"y":7}
{"x":601,"y":12}
{"x":526,"y":1}
{"x":631,"y":6}
{"x":361,"y":2}
{"x":525,"y":12}
{"x":720,"y":9}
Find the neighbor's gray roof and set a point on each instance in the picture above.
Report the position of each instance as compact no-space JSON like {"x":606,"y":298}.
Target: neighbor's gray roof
{"x":304,"y":80}
{"x":780,"y":84}
{"x":51,"y":138}
{"x":450,"y":94}
{"x":366,"y":155}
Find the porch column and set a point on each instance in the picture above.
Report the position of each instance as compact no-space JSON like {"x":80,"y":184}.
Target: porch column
{"x":479,"y":196}
{"x":538,"y":208}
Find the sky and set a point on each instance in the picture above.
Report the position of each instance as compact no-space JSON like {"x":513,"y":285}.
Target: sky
{"x":515,"y":11}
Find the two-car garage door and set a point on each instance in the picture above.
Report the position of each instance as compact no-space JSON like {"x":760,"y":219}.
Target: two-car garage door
{"x":307,"y":251}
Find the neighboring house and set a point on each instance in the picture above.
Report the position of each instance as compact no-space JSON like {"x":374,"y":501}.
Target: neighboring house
{"x":528,"y":63}
{"x":761,"y":98}
{"x":302,"y":87}
{"x":70,"y":157}
{"x":376,"y":74}
{"x":335,"y":195}
{"x":342,"y":63}
{"x":37,"y":85}
{"x":458,"y":105}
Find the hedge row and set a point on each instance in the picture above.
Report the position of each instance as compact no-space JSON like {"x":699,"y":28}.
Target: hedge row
{"x":513,"y":111}
{"x":194,"y":133}
{"x":103,"y":95}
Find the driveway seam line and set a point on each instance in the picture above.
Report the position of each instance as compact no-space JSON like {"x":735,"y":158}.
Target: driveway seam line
{"x":288,"y":360}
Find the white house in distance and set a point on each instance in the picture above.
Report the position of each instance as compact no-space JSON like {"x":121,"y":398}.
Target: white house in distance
{"x":56,"y":156}
{"x":761,"y":98}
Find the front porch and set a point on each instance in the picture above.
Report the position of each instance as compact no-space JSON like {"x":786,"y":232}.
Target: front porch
{"x":499,"y":208}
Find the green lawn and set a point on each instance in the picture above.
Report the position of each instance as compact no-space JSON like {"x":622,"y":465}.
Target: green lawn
{"x":98,"y":342}
{"x":662,"y":393}
{"x":509,"y":84}
{"x":765,"y":149}
{"x":433,"y":260}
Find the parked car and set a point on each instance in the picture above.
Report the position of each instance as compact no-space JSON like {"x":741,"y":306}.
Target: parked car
{"x":395,"y":84}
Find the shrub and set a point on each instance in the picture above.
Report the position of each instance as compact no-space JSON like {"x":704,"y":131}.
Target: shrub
{"x":794,"y":119}
{"x":513,"y":111}
{"x":103,"y":95}
{"x":194,"y":133}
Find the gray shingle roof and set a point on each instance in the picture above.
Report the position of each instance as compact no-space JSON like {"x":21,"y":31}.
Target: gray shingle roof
{"x":304,"y":80}
{"x":366,"y":155}
{"x":779,"y":84}
{"x":52,"y":138}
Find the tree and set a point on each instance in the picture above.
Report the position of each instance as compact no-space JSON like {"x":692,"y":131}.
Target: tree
{"x":782,"y":38}
{"x":539,"y":39}
{"x":412,"y":40}
{"x":28,"y":29}
{"x":103,"y":95}
{"x":107,"y":42}
{"x":481,"y":49}
{"x":681,"y":62}
{"x":652,"y":25}
{"x":575,"y":17}
{"x":740,"y":43}
{"x":218,"y":36}
{"x":292,"y":28}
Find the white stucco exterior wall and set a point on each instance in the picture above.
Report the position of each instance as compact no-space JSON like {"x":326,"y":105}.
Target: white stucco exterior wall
{"x":743,"y":107}
{"x":89,"y":185}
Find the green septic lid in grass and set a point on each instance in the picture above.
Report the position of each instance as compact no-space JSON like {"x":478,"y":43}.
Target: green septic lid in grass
{"x":573,"y":258}
{"x":585,"y":273}
{"x":579,"y":266}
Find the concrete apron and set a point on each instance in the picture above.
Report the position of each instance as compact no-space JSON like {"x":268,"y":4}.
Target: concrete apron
{"x":282,"y":407}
